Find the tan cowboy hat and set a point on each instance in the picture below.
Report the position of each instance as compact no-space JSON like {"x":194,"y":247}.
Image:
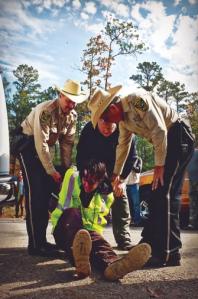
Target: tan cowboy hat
{"x":72,"y":90}
{"x":100,"y":100}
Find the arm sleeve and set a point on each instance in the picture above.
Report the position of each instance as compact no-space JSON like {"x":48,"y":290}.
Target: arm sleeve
{"x":155,"y":122}
{"x":66,"y":144}
{"x":122,"y":148}
{"x":41,"y":136}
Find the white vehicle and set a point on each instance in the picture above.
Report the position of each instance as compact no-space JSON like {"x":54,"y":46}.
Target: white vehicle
{"x":7,"y":182}
{"x":4,"y":134}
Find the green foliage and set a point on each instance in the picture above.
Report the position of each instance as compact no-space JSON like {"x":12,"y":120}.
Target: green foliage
{"x":146,"y":152}
{"x":149,"y":75}
{"x":93,"y":62}
{"x":26,"y":95}
{"x":164,"y":89}
{"x":118,"y":38}
{"x":48,"y":94}
{"x":122,"y":38}
{"x":173,"y":92}
{"x":83,"y":117}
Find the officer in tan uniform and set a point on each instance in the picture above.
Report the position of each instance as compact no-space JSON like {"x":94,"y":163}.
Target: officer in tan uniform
{"x":149,"y":116}
{"x":47,"y":123}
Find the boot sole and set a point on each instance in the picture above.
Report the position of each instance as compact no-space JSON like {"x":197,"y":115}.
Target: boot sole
{"x":134,"y":260}
{"x":81,"y":251}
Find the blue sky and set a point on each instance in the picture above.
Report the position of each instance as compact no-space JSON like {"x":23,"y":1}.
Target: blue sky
{"x":50,"y":35}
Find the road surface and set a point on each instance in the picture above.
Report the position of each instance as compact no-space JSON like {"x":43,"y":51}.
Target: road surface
{"x":23,"y":276}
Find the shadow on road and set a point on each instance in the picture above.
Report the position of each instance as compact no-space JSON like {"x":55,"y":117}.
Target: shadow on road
{"x":23,"y":276}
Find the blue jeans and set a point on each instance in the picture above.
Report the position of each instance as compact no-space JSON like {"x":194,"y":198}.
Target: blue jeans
{"x":134,"y":202}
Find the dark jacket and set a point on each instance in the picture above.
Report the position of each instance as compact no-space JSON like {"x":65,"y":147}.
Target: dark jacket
{"x":93,"y":145}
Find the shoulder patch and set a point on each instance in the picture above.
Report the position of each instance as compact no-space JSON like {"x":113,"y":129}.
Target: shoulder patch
{"x":140,"y":104}
{"x":45,"y":118}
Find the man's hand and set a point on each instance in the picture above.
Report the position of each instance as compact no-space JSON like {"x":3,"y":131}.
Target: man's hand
{"x":114,"y":180}
{"x":119,"y":189}
{"x":117,"y":185}
{"x":56,"y":177}
{"x":158,"y":177}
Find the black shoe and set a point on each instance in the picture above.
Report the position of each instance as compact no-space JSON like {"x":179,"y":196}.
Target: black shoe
{"x":174,"y":260}
{"x":125,"y":246}
{"x":51,"y":246}
{"x":156,"y":262}
{"x":45,"y":251}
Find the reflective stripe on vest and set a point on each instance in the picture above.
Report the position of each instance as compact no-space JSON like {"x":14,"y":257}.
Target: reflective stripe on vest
{"x":64,"y":202}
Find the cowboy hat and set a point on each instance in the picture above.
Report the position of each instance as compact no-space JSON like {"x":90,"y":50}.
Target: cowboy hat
{"x":72,"y":90}
{"x":100,"y":100}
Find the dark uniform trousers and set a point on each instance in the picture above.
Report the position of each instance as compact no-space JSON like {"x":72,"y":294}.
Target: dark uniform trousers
{"x":120,"y":216}
{"x":121,"y":220}
{"x":38,"y":188}
{"x":102,"y":254}
{"x":162,"y":229}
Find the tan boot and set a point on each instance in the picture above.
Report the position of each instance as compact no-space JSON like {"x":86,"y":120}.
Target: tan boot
{"x":133,"y":260}
{"x":81,"y":250}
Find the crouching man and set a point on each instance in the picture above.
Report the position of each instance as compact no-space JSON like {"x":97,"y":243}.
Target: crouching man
{"x":78,"y":222}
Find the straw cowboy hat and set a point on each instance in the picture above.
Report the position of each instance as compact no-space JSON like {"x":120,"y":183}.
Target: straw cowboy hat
{"x":72,"y":90}
{"x":100,"y":100}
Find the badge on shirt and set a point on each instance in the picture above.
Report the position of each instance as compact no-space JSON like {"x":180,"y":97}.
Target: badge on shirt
{"x":140,"y":104}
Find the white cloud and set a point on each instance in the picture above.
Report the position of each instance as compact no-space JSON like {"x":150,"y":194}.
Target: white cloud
{"x":90,"y":8}
{"x":122,"y":10}
{"x":176,"y":2}
{"x":158,"y":29}
{"x":76,"y":4}
{"x":84,"y":16}
{"x":190,"y":81}
{"x":47,"y":4}
{"x":45,"y":64}
{"x":184,"y":54}
{"x":117,"y":7}
{"x":21,"y":21}
{"x":192,"y":2}
{"x":93,"y":28}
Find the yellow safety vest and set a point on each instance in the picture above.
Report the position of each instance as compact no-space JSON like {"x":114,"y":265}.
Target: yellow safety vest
{"x":93,"y":217}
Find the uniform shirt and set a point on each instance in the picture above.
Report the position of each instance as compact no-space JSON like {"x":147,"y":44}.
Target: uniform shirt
{"x":149,"y":117}
{"x":93,"y":145}
{"x":49,"y":124}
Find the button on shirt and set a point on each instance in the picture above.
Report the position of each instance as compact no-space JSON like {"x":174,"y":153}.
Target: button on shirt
{"x":148,"y":116}
{"x":49,"y":124}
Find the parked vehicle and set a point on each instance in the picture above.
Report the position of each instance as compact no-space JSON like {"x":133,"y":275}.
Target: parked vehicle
{"x":145,"y":191}
{"x":7,"y":182}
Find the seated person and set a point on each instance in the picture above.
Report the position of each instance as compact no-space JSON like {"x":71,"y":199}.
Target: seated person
{"x":78,"y":222}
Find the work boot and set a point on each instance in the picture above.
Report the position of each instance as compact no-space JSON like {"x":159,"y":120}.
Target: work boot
{"x":133,"y":260}
{"x":46,"y":250}
{"x":81,"y":250}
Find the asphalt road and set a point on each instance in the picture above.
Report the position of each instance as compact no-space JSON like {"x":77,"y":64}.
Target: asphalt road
{"x":23,"y":276}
